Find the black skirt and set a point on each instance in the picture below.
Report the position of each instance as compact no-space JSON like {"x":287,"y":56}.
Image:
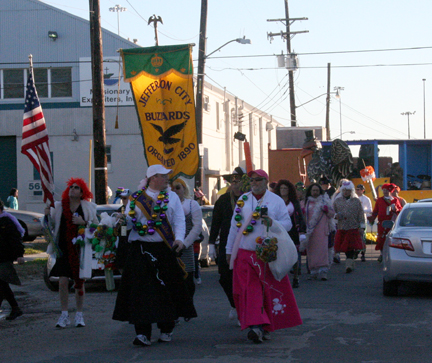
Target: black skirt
{"x":152,"y":288}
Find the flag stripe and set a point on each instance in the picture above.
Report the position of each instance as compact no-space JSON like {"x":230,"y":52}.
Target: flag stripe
{"x":35,"y":139}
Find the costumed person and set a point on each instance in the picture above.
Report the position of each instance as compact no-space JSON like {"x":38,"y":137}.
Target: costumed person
{"x":153,"y":287}
{"x":11,"y":249}
{"x":337,"y":194}
{"x":351,"y":223}
{"x":395,"y":194}
{"x":122,"y":194}
{"x":263,"y":303}
{"x":193,"y":218}
{"x":286,"y":190}
{"x":367,"y":209}
{"x":72,"y":261}
{"x":319,"y":215}
{"x":221,"y":223}
{"x":386,"y":208}
{"x":12,"y":199}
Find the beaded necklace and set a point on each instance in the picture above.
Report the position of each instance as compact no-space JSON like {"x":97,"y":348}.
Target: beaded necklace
{"x":157,"y":215}
{"x":255,"y":215}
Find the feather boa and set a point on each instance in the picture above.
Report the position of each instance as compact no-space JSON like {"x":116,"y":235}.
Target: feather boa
{"x":71,"y":233}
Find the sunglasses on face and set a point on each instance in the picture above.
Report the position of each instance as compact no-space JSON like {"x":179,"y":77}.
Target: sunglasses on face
{"x":177,"y":187}
{"x":256,"y":179}
{"x":235,"y":181}
{"x":74,"y":187}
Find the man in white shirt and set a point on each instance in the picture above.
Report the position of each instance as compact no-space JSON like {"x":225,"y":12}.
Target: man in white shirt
{"x":153,"y":287}
{"x":367,"y":208}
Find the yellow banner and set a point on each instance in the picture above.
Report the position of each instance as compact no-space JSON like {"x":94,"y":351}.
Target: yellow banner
{"x":166,"y":110}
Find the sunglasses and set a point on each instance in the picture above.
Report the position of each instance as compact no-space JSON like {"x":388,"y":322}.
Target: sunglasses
{"x":178,"y":187}
{"x":74,"y":187}
{"x":256,"y":179}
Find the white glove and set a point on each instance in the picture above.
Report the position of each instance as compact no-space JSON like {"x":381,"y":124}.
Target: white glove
{"x":212,"y":251}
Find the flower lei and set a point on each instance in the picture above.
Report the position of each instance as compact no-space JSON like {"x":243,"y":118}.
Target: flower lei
{"x":158,"y":213}
{"x":255,"y":215}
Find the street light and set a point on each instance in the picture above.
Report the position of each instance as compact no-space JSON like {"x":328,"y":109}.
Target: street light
{"x":408,"y":114}
{"x":238,"y":40}
{"x":199,"y":178}
{"x":117,"y":9}
{"x":338,"y":89}
{"x":424,"y":107}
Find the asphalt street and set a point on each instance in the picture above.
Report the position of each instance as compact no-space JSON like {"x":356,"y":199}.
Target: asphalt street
{"x":345,"y":319}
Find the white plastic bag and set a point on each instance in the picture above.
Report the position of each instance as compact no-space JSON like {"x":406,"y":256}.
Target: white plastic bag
{"x":286,"y":253}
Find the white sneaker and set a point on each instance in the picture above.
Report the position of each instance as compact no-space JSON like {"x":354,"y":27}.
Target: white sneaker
{"x":255,"y":335}
{"x":165,"y":337}
{"x":232,"y":314}
{"x":63,"y":321}
{"x":198,"y":281}
{"x":141,"y":340}
{"x":79,"y":320}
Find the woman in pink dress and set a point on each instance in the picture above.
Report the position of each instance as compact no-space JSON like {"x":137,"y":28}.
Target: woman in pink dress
{"x":319,"y":222}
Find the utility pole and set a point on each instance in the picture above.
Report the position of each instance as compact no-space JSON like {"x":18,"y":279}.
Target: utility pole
{"x":199,"y":177}
{"x":328,"y":104}
{"x":98,"y":102}
{"x":287,"y":36}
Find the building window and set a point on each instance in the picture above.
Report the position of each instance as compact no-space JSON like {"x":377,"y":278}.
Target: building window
{"x":218,"y":126}
{"x":206,"y":103}
{"x":13,"y":83}
{"x":50,"y":82}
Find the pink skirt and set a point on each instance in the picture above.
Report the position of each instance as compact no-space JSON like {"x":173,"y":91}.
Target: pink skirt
{"x":259,"y":298}
{"x":348,"y":240}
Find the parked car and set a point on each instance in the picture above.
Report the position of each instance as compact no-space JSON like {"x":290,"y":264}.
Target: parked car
{"x":97,"y":273}
{"x":407,"y":253}
{"x":30,"y":221}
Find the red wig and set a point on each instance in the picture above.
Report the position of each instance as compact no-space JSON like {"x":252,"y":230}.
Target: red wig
{"x":87,"y":194}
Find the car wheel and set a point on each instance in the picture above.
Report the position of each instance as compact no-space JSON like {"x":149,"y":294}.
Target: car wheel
{"x":390,"y":288}
{"x":53,"y":286}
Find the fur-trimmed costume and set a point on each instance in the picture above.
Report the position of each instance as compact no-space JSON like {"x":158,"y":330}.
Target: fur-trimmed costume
{"x":319,"y":224}
{"x":85,"y":263}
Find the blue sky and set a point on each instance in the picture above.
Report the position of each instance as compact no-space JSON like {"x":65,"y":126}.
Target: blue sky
{"x":378,"y":85}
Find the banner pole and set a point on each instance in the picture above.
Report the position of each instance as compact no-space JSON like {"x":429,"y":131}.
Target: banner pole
{"x":90,"y":165}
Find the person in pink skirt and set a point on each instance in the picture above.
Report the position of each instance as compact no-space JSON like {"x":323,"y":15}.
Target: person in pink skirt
{"x":263,"y":303}
{"x":319,"y":223}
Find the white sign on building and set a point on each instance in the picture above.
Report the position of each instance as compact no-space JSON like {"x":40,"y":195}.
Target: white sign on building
{"x":115,"y":89}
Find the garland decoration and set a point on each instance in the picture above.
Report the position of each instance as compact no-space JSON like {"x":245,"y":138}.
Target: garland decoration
{"x":158,"y":213}
{"x":266,"y":249}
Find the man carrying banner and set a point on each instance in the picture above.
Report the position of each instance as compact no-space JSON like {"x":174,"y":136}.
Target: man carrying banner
{"x":153,"y":287}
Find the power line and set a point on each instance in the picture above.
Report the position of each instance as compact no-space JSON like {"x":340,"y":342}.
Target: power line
{"x":329,"y":52}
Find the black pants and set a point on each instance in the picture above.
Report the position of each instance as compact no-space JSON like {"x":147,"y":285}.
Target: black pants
{"x":146,"y":329}
{"x":226,"y":279}
{"x":7,"y":293}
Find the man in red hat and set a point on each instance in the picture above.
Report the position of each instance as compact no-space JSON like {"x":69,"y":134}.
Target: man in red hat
{"x":258,"y":296}
{"x":386,"y":208}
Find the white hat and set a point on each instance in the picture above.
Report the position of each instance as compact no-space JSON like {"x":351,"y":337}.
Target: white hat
{"x":157,"y":169}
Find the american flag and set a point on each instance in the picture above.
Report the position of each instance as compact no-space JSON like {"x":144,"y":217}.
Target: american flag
{"x":35,"y":139}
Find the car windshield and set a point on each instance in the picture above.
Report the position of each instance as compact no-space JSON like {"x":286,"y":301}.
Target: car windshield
{"x":416,"y":217}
